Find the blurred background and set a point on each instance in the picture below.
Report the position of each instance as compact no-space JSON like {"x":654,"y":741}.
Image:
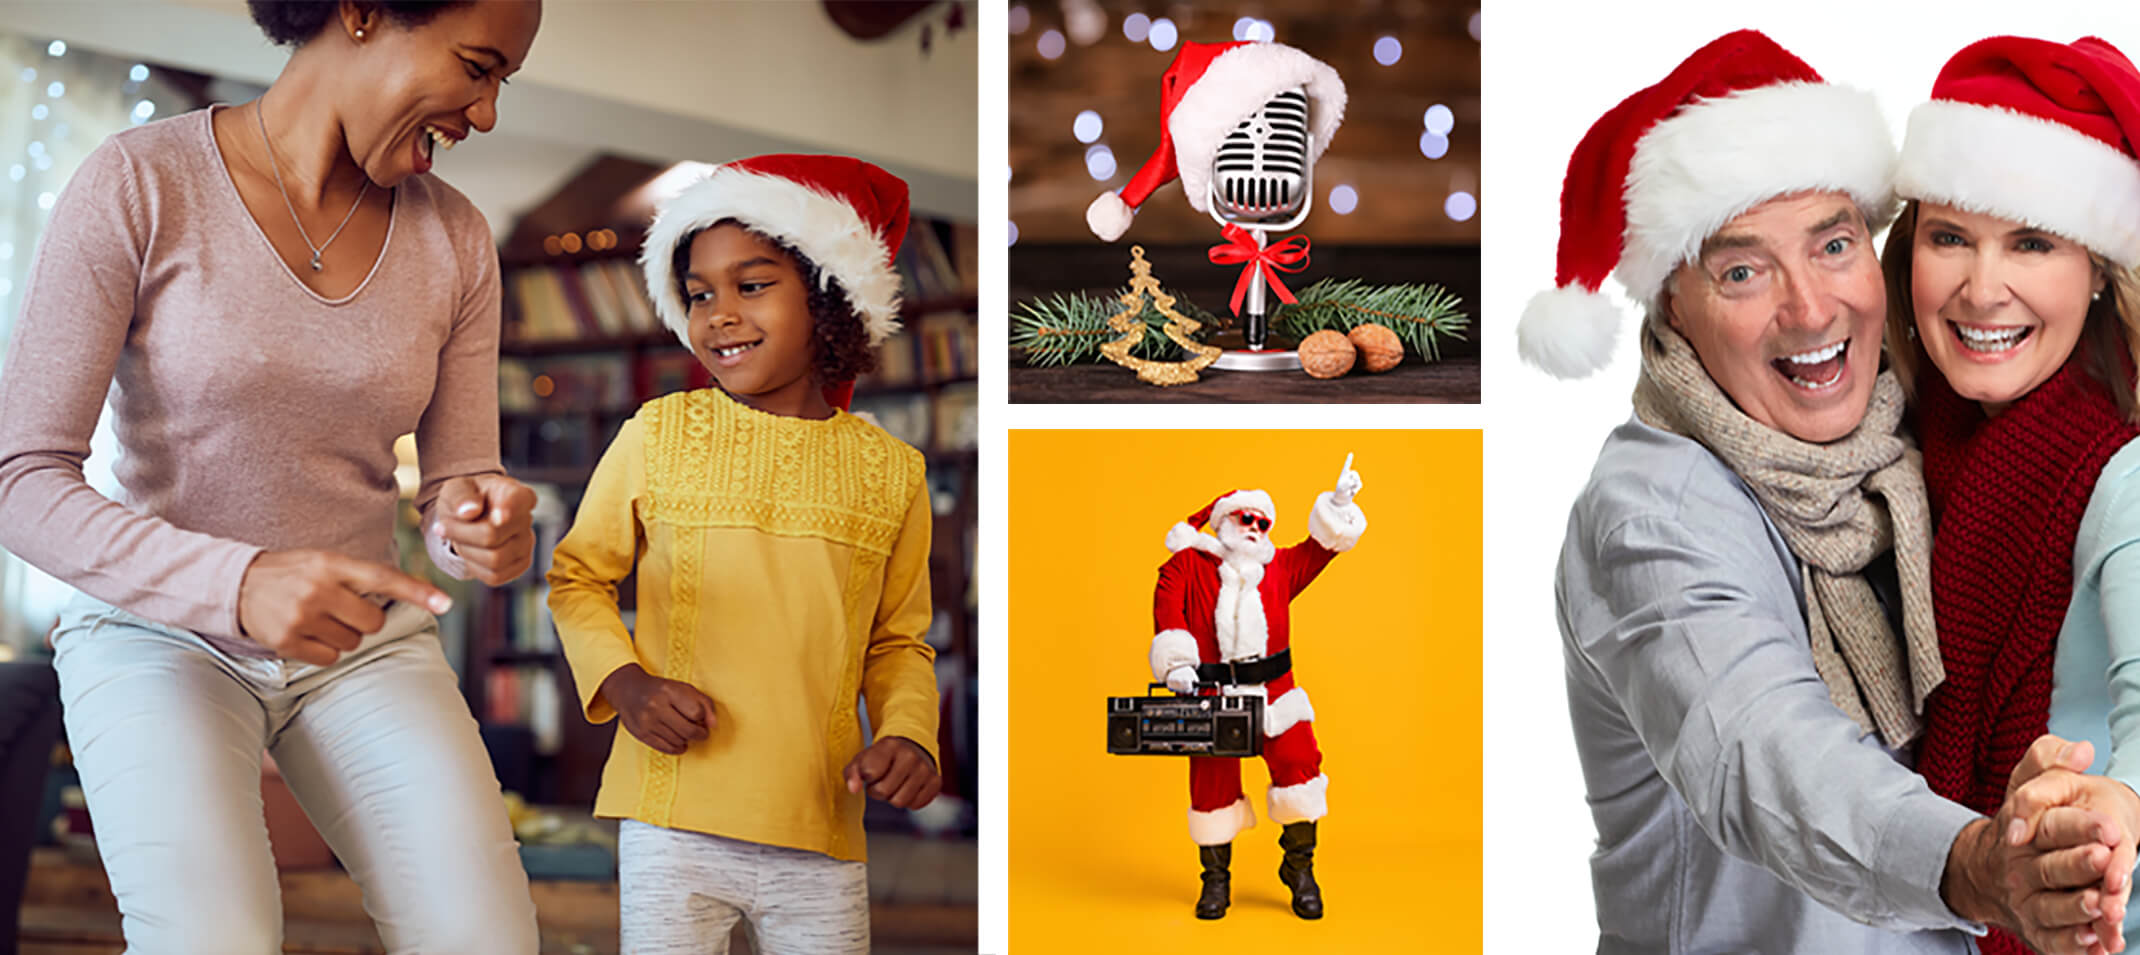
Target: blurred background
{"x":616,"y":102}
{"x":1396,"y":196}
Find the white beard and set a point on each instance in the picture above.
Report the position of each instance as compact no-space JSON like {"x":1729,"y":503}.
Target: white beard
{"x":1242,"y":631}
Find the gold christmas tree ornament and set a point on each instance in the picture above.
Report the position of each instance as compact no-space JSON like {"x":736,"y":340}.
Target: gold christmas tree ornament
{"x":1180,"y":328}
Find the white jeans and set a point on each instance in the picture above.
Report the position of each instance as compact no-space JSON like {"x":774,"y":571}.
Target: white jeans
{"x":681,"y":893}
{"x":379,"y":749}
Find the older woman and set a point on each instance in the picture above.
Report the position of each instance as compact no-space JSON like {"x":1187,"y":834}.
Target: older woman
{"x":2015,"y":310}
{"x":269,"y":294}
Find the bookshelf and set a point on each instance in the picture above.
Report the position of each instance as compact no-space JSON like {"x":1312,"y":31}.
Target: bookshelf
{"x":581,"y":351}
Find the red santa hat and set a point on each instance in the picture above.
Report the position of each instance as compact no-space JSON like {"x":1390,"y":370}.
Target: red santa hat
{"x":2038,"y":132}
{"x":1207,"y":91}
{"x":846,"y":216}
{"x":1740,"y":122}
{"x":1187,"y":534}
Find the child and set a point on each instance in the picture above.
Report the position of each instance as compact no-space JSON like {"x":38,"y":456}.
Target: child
{"x":782,"y":550}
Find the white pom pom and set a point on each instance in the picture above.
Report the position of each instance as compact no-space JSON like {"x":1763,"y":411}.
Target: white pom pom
{"x":1109,"y":216}
{"x":1179,"y":536}
{"x":1569,"y":332}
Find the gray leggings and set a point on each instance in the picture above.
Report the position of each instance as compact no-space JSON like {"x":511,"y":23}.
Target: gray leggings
{"x":379,"y":749}
{"x":681,"y":893}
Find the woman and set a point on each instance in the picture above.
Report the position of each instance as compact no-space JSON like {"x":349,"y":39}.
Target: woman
{"x":2015,"y":309}
{"x":270,"y":293}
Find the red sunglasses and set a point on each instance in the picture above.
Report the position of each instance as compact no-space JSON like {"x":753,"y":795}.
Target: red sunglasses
{"x":1252,"y":520}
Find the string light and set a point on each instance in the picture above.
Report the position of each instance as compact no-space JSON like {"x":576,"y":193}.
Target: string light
{"x":1388,"y":50}
{"x":1344,"y":199}
{"x":1461,"y":206}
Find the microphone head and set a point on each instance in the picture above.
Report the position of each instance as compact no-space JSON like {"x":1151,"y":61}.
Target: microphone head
{"x":1260,"y":176}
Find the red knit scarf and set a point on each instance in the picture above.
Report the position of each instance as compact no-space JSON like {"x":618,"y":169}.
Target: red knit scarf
{"x":2007,"y":495}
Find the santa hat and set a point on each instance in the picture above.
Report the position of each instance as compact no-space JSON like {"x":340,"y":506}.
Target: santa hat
{"x":1740,"y":122}
{"x":2038,"y":132}
{"x":1186,"y":533}
{"x":1207,"y":91}
{"x":845,"y":215}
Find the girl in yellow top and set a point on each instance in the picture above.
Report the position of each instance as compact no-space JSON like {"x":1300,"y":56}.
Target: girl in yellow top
{"x":782,"y":550}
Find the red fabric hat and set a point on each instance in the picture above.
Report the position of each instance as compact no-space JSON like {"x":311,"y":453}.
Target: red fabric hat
{"x":846,"y":216}
{"x":2038,"y":132}
{"x":1740,"y":122}
{"x":1185,"y":534}
{"x":1207,"y":91}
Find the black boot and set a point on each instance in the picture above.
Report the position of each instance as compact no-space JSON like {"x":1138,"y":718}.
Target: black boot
{"x":1298,"y":869}
{"x":1218,"y":882}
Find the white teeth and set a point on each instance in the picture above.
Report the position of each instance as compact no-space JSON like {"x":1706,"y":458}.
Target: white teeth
{"x":734,"y":350}
{"x":439,"y":137}
{"x":1817,"y":355}
{"x":1990,"y":339}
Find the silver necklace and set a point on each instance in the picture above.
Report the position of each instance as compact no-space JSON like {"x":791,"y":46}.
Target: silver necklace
{"x":259,"y":113}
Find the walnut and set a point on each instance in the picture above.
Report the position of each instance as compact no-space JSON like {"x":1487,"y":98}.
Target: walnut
{"x":1379,"y":348}
{"x":1326,"y":354}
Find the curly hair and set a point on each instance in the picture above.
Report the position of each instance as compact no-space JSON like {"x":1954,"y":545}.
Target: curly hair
{"x":292,"y":22}
{"x":842,"y":351}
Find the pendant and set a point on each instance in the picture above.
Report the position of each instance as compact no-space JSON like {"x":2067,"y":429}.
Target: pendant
{"x":315,"y":263}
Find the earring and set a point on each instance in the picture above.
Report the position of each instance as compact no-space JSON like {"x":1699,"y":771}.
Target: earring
{"x":2097,"y":297}
{"x":360,"y":33}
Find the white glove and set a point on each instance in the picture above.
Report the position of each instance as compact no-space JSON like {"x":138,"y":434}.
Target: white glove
{"x":1348,"y":484}
{"x":1182,"y":680}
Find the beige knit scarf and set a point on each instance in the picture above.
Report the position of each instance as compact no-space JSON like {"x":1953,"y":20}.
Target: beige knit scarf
{"x":1839,"y":505}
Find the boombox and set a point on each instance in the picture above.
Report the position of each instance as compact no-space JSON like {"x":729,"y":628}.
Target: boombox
{"x":1152,"y":725}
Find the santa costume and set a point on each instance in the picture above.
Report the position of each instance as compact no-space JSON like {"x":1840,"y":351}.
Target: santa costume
{"x":1220,"y":611}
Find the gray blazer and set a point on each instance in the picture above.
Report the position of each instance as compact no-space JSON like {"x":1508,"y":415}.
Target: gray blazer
{"x":1737,"y":809}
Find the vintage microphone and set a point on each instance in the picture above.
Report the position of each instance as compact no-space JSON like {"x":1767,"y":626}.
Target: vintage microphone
{"x":1262,"y":182}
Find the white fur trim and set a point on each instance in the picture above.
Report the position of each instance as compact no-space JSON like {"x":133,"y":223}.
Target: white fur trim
{"x":1249,"y":500}
{"x":1305,"y":802}
{"x":1238,"y":82}
{"x":1289,"y":708}
{"x":1569,"y":332}
{"x":1109,"y":216}
{"x":1219,"y":826}
{"x":823,"y":227}
{"x":1181,"y":537}
{"x":1719,"y":157}
{"x":1170,"y":649}
{"x":2044,"y":174}
{"x":1243,"y":633}
{"x":1335,"y":527}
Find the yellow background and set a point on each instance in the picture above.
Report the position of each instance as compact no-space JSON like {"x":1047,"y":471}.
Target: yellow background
{"x":1386,"y":642}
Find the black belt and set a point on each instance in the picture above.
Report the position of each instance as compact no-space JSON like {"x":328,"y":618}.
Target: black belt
{"x":1247,"y":671}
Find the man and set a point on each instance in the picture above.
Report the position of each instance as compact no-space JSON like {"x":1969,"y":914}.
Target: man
{"x":1220,"y":616}
{"x":1743,"y":593}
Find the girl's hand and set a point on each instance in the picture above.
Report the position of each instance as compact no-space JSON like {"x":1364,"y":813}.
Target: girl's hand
{"x":667,"y":715}
{"x":897,"y":771}
{"x":488,"y":521}
{"x":309,"y":605}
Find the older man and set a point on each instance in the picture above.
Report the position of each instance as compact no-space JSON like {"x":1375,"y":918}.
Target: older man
{"x":1743,"y":591}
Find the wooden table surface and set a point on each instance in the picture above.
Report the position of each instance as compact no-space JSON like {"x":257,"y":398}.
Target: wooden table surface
{"x":1451,"y":380}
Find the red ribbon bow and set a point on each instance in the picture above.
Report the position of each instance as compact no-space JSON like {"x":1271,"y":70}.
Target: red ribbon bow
{"x":1240,"y":249}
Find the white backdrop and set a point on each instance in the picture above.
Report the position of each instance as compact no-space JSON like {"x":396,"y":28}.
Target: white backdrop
{"x":1550,"y":70}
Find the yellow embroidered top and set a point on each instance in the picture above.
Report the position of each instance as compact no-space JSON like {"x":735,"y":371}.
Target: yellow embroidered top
{"x":783,"y":570}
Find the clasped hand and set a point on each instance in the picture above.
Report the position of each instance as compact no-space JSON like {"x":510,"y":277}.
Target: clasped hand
{"x":2055,"y":864}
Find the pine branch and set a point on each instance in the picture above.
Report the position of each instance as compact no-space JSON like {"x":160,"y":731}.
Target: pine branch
{"x":1067,"y":328}
{"x":1421,"y":315}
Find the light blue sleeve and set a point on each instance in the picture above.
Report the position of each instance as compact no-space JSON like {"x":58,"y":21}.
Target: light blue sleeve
{"x":2106,"y":561}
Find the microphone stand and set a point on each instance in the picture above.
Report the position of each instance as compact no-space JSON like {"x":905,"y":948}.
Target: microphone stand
{"x":1255,"y":328}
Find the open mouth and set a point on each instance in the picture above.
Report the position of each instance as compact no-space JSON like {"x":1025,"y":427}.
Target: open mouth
{"x":1990,"y":339}
{"x":1816,"y":368}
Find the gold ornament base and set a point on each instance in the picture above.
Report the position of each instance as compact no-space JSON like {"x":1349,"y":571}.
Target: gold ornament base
{"x":1179,"y":328}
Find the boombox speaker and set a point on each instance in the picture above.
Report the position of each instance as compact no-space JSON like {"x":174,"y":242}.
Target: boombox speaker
{"x":1152,"y":725}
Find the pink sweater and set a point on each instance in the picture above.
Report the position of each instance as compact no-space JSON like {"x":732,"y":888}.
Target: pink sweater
{"x":251,"y":413}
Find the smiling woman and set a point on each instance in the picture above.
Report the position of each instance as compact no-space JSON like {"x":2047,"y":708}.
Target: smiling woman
{"x":219,"y":618}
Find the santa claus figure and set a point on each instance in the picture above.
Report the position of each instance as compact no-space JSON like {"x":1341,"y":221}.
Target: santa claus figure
{"x":1220,"y":612}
